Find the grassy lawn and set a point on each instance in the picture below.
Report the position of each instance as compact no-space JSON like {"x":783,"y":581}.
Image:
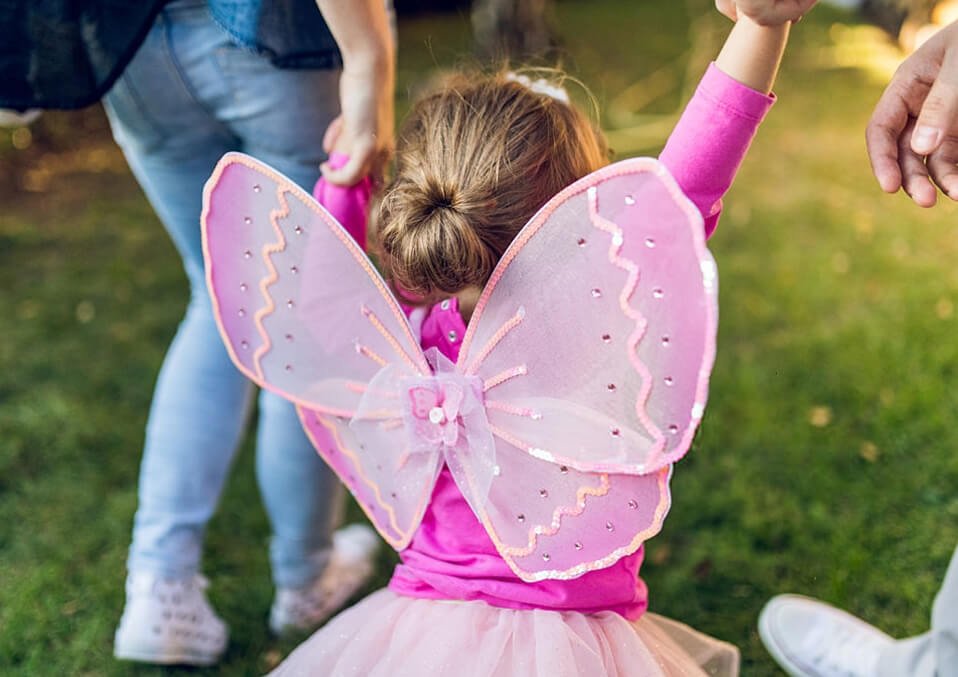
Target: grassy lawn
{"x":826,"y":461}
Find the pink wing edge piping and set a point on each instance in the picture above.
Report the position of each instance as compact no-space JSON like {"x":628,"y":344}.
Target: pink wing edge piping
{"x":663,"y":465}
{"x":509,"y":554}
{"x":697,"y":229}
{"x":405,"y":537}
{"x":283,"y":186}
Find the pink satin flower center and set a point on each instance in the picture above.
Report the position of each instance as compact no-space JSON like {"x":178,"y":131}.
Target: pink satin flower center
{"x":436,"y":409}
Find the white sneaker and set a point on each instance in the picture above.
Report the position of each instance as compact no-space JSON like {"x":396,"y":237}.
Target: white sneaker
{"x":12,"y":118}
{"x":169,"y":622}
{"x":809,"y":638}
{"x":351,"y":565}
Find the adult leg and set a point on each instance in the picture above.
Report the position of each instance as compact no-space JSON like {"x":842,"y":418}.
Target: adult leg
{"x":935,"y":653}
{"x":809,"y":638}
{"x":160,"y":114}
{"x":281,"y":116}
{"x":199,"y":406}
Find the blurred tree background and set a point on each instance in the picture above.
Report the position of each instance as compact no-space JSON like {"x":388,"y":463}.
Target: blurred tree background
{"x":825,"y":464}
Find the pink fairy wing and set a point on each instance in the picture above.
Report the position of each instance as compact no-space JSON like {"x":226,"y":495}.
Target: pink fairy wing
{"x":304,"y":313}
{"x":555,"y":522}
{"x":596,"y":333}
{"x":302,"y":309}
{"x":394,"y":495}
{"x":594,"y":340}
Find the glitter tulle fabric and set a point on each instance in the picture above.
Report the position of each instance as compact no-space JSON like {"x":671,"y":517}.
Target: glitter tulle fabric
{"x":390,"y":635}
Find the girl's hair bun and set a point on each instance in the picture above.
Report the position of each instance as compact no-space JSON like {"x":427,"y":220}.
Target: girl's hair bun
{"x":474,"y":161}
{"x":439,"y":196}
{"x":428,"y":241}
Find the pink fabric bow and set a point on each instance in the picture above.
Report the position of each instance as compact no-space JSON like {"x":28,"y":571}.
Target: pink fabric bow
{"x":435,"y":409}
{"x":442,"y":415}
{"x":444,"y":410}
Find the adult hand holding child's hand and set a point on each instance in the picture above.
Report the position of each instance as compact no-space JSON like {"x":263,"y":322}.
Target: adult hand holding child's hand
{"x":912,"y":136}
{"x":765,"y":12}
{"x":363,"y":131}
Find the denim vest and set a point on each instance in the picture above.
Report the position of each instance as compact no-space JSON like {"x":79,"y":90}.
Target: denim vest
{"x":68,"y":53}
{"x":291,"y":33}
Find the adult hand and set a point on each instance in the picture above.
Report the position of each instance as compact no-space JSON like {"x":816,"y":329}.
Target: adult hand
{"x":364,"y":128}
{"x":765,"y":12}
{"x":917,"y":116}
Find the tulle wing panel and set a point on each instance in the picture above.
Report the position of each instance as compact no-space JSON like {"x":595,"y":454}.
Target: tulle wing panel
{"x":302,"y":309}
{"x":552,"y":521}
{"x":393,"y":489}
{"x":303,"y":313}
{"x":596,"y":334}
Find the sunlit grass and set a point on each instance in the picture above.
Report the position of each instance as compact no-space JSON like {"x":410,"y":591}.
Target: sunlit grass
{"x":825,"y":464}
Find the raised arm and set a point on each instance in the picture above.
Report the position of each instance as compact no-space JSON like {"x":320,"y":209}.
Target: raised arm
{"x":752,"y":53}
{"x":710,"y":140}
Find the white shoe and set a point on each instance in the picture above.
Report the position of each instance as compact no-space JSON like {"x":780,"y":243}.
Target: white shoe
{"x":809,"y":638}
{"x":169,"y":622}
{"x":12,"y":118}
{"x":351,"y":564}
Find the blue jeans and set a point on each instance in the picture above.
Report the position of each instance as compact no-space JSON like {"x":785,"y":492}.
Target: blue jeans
{"x":189,"y":96}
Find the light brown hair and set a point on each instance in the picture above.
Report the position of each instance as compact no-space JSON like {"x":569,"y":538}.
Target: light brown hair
{"x":475,"y":160}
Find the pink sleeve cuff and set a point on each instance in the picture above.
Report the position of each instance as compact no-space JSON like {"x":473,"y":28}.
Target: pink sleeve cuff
{"x":738,"y":99}
{"x":711,"y":138}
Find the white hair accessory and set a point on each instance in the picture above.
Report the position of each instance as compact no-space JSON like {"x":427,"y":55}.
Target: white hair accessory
{"x":540,"y":86}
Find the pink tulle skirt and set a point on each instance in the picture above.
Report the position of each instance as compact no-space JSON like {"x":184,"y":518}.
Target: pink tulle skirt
{"x":390,"y":635}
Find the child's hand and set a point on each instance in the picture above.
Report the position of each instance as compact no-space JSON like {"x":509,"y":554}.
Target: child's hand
{"x":765,"y":12}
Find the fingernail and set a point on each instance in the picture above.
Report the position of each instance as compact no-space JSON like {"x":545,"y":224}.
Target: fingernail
{"x":924,"y":139}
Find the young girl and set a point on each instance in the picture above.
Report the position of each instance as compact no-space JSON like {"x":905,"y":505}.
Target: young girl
{"x":518,"y":494}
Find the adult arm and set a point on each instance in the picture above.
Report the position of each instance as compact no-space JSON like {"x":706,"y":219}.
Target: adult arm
{"x":364,"y":128}
{"x":917,"y":116}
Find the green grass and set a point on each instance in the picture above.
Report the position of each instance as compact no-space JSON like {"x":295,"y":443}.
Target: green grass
{"x":825,"y":464}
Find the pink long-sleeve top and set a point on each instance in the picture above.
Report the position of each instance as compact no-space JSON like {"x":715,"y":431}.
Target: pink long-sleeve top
{"x":451,"y":556}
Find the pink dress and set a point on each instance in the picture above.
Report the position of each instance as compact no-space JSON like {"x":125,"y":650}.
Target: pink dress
{"x":454,"y":607}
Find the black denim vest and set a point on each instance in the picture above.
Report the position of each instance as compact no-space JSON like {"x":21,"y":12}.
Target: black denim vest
{"x":68,"y":53}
